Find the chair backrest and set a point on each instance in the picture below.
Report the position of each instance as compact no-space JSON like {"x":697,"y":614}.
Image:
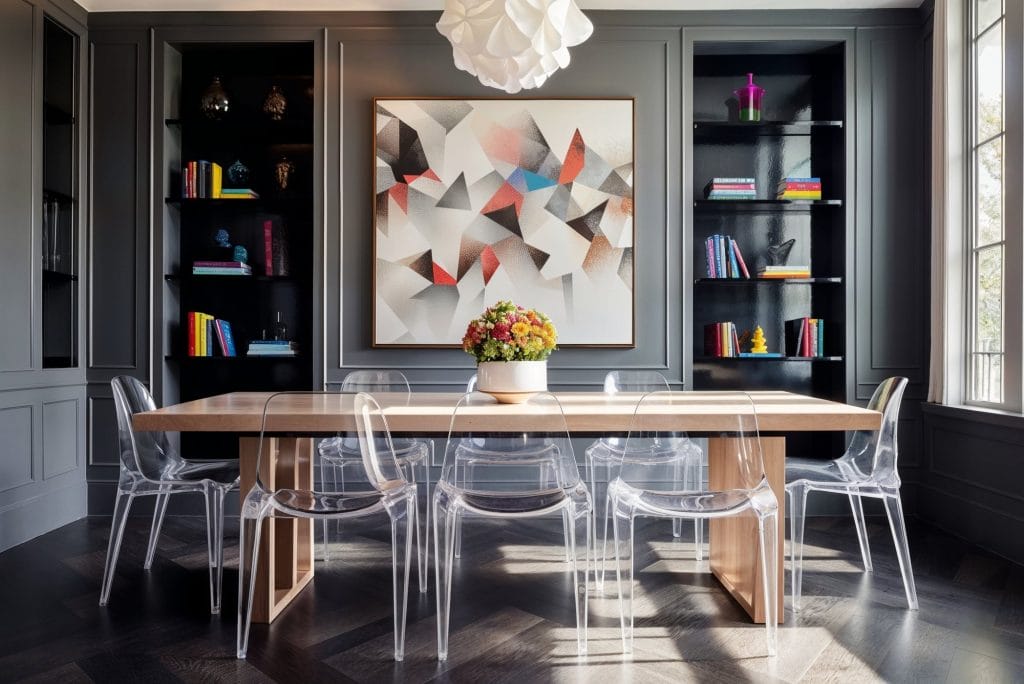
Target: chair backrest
{"x":144,"y":455}
{"x":647,"y":461}
{"x":360,"y":419}
{"x":471,"y":384}
{"x":498,"y":450}
{"x":375,"y":381}
{"x":873,"y":453}
{"x":635,"y":381}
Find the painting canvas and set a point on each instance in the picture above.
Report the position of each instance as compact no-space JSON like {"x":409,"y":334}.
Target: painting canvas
{"x":482,"y":200}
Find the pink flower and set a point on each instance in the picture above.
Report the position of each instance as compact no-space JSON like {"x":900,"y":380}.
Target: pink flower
{"x":501,"y":332}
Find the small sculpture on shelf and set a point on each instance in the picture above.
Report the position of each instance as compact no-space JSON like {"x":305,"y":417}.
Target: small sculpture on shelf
{"x":240,"y":254}
{"x":758,"y":345}
{"x":275,"y":104}
{"x":238,"y":173}
{"x":283,"y":170}
{"x":777,"y":255}
{"x":214,"y":102}
{"x":222,"y":238}
{"x":749,"y":97}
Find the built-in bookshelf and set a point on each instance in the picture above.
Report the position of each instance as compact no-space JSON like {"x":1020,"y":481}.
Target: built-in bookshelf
{"x":801,"y":134}
{"x":59,"y":249}
{"x":255,"y":143}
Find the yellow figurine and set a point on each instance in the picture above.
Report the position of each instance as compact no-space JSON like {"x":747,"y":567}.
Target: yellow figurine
{"x":757,"y":342}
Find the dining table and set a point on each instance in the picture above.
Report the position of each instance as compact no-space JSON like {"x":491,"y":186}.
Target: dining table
{"x":286,"y":555}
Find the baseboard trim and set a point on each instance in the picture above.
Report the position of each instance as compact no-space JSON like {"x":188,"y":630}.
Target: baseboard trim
{"x":44,"y":513}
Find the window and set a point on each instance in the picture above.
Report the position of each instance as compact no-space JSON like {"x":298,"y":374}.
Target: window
{"x":993,"y":284}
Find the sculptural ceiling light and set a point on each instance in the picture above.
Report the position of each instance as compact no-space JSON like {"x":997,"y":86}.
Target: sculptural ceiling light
{"x":513,"y":44}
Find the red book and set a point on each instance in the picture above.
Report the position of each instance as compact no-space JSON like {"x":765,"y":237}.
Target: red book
{"x":803,"y":186}
{"x":711,"y":340}
{"x":268,"y":247}
{"x":806,"y":350}
{"x":220,"y":337}
{"x":733,"y":186}
{"x":739,"y":258}
{"x":220,"y":264}
{"x":191,"y":333}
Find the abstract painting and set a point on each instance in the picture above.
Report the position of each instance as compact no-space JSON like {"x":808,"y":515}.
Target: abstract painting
{"x":482,"y":200}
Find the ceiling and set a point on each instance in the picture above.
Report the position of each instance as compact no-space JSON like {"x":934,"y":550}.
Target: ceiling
{"x":436,"y":5}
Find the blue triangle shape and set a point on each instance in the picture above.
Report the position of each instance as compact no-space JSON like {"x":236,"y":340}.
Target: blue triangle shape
{"x":536,"y":181}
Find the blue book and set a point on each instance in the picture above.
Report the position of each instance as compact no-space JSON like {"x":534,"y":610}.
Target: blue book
{"x":225,"y":338}
{"x":764,"y":355}
{"x":719,"y":266}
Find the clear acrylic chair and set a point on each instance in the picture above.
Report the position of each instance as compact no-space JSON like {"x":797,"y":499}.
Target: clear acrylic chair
{"x":498,"y":467}
{"x":605,"y":453}
{"x":390,"y":493}
{"x":866,"y":469}
{"x":150,"y":466}
{"x":341,"y":462}
{"x":645,"y":487}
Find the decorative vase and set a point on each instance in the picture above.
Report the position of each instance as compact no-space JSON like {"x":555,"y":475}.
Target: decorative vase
{"x":512,"y":382}
{"x":214,"y":102}
{"x":275,"y":104}
{"x":749,"y":97}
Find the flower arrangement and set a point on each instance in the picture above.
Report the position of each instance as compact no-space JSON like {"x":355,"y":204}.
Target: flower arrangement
{"x":507,"y":332}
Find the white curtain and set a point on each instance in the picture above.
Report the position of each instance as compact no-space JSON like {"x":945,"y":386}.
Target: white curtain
{"x":947,"y":193}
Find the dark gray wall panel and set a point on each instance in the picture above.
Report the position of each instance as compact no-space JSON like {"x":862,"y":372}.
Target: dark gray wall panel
{"x":616,"y":62}
{"x":61,"y":423}
{"x":16,"y":457}
{"x":17,"y":181}
{"x":115,"y":328}
{"x":970,"y":482}
{"x":102,"y":431}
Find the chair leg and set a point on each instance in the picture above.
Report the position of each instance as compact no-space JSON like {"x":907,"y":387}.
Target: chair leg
{"x":768,"y":527}
{"x":894,"y":509}
{"x":458,"y":535}
{"x":601,"y":514}
{"x":862,"y":530}
{"x":622,"y":526}
{"x":122,"y":503}
{"x":695,"y":482}
{"x":159,"y":509}
{"x":581,"y":531}
{"x":798,"y":507}
{"x":403,"y":527}
{"x":249,"y":531}
{"x":445,"y":527}
{"x":680,"y":473}
{"x":423,"y":528}
{"x":214,"y":496}
{"x":325,"y":553}
{"x":567,"y":536}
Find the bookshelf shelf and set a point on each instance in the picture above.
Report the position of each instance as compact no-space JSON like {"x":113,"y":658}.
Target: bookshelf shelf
{"x":256,"y":128}
{"x":57,"y":116}
{"x":254,"y":278}
{"x":58,"y":276}
{"x":775,"y":281}
{"x":232,"y":359}
{"x":764,"y":204}
{"x":770,"y":359}
{"x":59,"y":197}
{"x":728,"y":129}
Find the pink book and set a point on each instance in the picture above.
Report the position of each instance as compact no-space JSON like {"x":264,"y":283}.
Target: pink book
{"x":711,"y":259}
{"x":268,"y":247}
{"x":220,"y":264}
{"x":732,"y":186}
{"x":739,"y":258}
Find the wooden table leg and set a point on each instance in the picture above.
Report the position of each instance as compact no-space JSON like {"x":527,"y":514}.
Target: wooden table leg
{"x":285,"y":564}
{"x":733,"y":548}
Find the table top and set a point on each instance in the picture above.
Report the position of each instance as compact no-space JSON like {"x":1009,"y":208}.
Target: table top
{"x":430,"y":412}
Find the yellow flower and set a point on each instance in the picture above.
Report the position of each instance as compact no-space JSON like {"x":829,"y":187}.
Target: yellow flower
{"x":520,"y":328}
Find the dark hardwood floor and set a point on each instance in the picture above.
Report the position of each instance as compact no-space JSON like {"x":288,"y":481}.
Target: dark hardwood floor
{"x":513,"y":617}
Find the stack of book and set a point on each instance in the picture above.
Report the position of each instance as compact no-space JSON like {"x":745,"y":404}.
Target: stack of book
{"x":201,"y":180}
{"x":805,"y":337}
{"x":275,"y":248}
{"x":799,"y":189}
{"x":782,"y":272}
{"x":221,"y":268}
{"x":724,"y":259}
{"x":272,"y":348}
{"x":731,"y":189}
{"x":720,"y":339}
{"x":238,"y":193}
{"x":209,"y":336}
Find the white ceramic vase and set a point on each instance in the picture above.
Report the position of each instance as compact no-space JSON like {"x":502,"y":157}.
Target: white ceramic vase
{"x":512,"y":382}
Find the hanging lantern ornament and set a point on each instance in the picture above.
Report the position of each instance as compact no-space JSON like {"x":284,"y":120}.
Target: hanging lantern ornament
{"x":513,"y":44}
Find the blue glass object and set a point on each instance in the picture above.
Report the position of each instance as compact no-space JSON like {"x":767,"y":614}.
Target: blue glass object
{"x":238,"y":173}
{"x":241,"y":254}
{"x":222,"y":238}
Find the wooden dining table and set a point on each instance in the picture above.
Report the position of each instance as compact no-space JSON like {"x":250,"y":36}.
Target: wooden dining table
{"x":286,"y":562}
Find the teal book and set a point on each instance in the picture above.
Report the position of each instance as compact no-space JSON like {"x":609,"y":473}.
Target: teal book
{"x":765,"y":355}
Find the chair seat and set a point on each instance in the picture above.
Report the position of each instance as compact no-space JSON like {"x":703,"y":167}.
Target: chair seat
{"x":510,"y":503}
{"x":217,"y":471}
{"x":307,"y":502}
{"x":614,"y":449}
{"x":823,"y":472}
{"x":683,"y":504}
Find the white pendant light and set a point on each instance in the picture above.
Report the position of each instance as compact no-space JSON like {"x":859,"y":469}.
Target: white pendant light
{"x":513,"y":44}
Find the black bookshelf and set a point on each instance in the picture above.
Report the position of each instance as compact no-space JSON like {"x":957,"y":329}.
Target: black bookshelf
{"x":250,"y":303}
{"x":802,"y":134}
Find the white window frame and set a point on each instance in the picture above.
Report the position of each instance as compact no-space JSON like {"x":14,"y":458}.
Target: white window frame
{"x":1013,"y":207}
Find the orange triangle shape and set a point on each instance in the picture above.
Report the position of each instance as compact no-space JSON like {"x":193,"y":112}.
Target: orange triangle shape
{"x":505,"y":196}
{"x":400,"y":193}
{"x":573,"y":163}
{"x":429,"y":173}
{"x":490,"y":263}
{"x":442,"y":277}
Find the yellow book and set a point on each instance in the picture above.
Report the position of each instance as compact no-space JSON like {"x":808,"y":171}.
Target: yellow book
{"x":800,"y":194}
{"x":218,"y":180}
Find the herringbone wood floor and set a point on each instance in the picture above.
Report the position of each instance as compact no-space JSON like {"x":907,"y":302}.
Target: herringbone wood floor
{"x":513,"y":617}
